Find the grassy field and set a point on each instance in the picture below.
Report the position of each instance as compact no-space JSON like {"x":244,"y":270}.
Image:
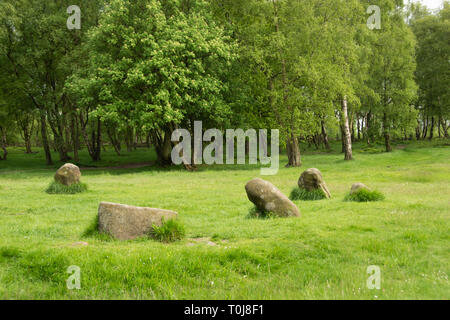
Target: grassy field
{"x":226,"y":255}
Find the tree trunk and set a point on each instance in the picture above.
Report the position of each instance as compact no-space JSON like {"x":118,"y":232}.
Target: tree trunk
{"x":347,"y":137}
{"x":57,"y":125}
{"x":94,"y":145}
{"x":432,"y":128}
{"x":425,"y":128}
{"x":3,"y":143}
{"x":44,"y":136}
{"x":358,"y":126}
{"x":163,"y":146}
{"x":98,"y":141}
{"x":352,"y":127}
{"x":25,"y":122}
{"x":387,"y":137}
{"x":75,"y":139}
{"x":445,"y":128}
{"x":61,"y":147}
{"x":325,"y":135}
{"x":27,"y":138}
{"x":293,"y":152}
{"x":114,"y":140}
{"x":292,"y":146}
{"x":418,"y":130}
{"x":439,"y":126}
{"x":368,"y":127}
{"x":129,"y":138}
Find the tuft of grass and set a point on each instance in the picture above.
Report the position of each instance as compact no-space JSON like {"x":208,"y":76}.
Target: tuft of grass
{"x":364,"y":195}
{"x":58,"y":188}
{"x":255,"y":213}
{"x":9,"y":253}
{"x":169,"y":231}
{"x":303,"y":194}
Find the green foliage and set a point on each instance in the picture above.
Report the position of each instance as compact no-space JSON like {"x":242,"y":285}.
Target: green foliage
{"x":391,"y":53}
{"x":433,"y":53}
{"x":255,"y":213}
{"x":154,"y":65}
{"x":58,"y":188}
{"x":169,"y":231}
{"x":364,"y":195}
{"x":302,"y":194}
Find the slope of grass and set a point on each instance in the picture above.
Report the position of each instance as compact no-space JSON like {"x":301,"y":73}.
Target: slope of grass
{"x":58,"y":188}
{"x":303,"y":194}
{"x":364,"y":195}
{"x":324,"y":254}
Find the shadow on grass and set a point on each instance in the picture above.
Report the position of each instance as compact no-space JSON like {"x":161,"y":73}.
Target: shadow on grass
{"x":255,"y":213}
{"x":93,"y":233}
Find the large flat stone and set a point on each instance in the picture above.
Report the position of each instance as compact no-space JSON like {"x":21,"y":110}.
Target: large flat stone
{"x":128,"y":222}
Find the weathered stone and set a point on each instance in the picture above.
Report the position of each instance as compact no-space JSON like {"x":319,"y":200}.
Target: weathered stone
{"x":312,"y":179}
{"x":358,"y":186}
{"x":267,"y":197}
{"x":68,"y":174}
{"x":128,"y":222}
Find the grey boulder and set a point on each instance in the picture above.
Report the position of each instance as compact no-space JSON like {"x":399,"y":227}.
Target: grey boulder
{"x":128,"y":222}
{"x":266,"y":197}
{"x":358,"y":186}
{"x":68,"y":174}
{"x":312,"y":179}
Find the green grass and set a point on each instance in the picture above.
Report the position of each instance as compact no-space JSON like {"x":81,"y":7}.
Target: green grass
{"x":303,"y":194}
{"x":255,"y":213}
{"x":170,"y":231}
{"x":364,"y":195}
{"x":324,"y":254}
{"x":58,"y":188}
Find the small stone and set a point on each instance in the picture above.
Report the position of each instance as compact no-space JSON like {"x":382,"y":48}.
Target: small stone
{"x":358,"y":186}
{"x":68,"y":174}
{"x":312,"y":179}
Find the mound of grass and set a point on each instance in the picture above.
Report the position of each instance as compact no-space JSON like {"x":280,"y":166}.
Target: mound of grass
{"x":364,"y":195}
{"x":303,"y":194}
{"x":255,"y":213}
{"x":58,"y":188}
{"x":371,"y":150}
{"x":170,"y":231}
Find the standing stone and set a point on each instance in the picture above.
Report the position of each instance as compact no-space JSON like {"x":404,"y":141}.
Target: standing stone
{"x":358,"y":186}
{"x":127,"y":222}
{"x":68,"y":174}
{"x":267,"y":197}
{"x":312,"y":179}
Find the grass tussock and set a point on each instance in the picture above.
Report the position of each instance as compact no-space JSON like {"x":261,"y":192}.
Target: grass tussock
{"x":170,"y":231}
{"x":255,"y":213}
{"x":58,"y":188}
{"x":364,"y":195}
{"x":303,"y":194}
